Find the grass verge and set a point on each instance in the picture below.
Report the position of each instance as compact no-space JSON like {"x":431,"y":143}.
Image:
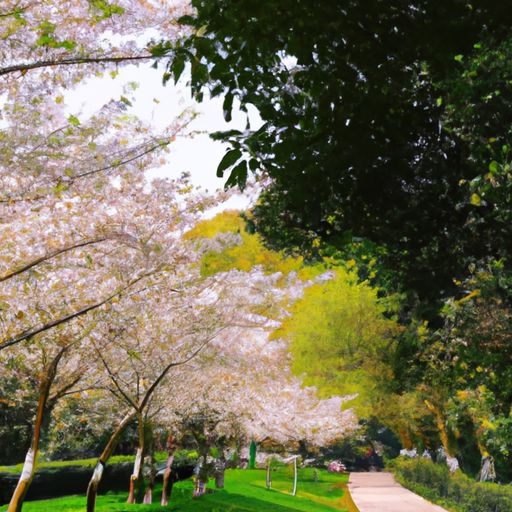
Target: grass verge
{"x":245,"y":492}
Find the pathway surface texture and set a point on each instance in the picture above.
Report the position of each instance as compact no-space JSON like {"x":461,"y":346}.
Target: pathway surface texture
{"x":379,"y":492}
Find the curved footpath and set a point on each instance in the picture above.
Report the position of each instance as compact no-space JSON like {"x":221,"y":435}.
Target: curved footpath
{"x":379,"y":492}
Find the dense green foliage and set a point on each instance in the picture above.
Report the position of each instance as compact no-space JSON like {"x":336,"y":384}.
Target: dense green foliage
{"x":245,"y":491}
{"x":386,"y":127}
{"x":340,"y":339}
{"x":361,"y":133}
{"x":16,"y":411}
{"x":457,"y":492}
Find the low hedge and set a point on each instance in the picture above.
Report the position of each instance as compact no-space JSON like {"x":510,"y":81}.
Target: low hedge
{"x":456,"y":491}
{"x":63,"y":478}
{"x":54,"y":464}
{"x":51,"y":482}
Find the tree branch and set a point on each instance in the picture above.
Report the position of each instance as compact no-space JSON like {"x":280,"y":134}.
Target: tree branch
{"x":164,"y":372}
{"x":66,"y":318}
{"x":49,"y":256}
{"x":70,"y":62}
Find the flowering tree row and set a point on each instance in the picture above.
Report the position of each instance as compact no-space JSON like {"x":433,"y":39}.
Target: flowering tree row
{"x":100,"y":290}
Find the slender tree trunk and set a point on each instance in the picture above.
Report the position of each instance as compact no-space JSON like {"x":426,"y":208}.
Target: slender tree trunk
{"x":148,"y":494}
{"x":294,"y":490}
{"x":29,"y":467}
{"x":135,"y":478}
{"x":220,"y":470}
{"x":166,"y":489}
{"x":405,"y":439}
{"x":451,"y":459}
{"x":92,"y":489}
{"x":202,"y":478}
{"x":269,"y":476}
{"x":199,"y":487}
{"x":487,"y":470}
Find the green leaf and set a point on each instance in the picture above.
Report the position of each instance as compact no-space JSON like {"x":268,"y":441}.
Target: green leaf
{"x":177,"y":67}
{"x":228,"y":160}
{"x":238,"y":176}
{"x":494,"y":167}
{"x":133,"y":354}
{"x":199,"y":74}
{"x":254,"y":164}
{"x":227,"y":106}
{"x":160,"y":49}
{"x":74,"y":120}
{"x":126,"y":101}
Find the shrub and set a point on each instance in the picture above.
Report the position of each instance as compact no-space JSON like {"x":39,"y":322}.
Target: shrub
{"x":458,"y":491}
{"x":336,"y":466}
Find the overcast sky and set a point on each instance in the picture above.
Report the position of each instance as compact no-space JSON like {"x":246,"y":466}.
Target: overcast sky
{"x":198,"y":155}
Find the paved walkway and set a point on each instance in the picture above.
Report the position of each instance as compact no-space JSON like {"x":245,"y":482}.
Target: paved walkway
{"x":378,"y":492}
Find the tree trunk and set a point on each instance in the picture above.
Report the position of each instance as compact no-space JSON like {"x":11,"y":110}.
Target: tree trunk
{"x":24,"y":482}
{"x":487,"y":473}
{"x":29,"y":467}
{"x":166,"y":489}
{"x":135,"y":478}
{"x":151,"y":474}
{"x":405,"y":439}
{"x":269,"y":476}
{"x":199,"y":487}
{"x":487,"y":470}
{"x":220,"y":471}
{"x":202,"y":478}
{"x":451,"y":459}
{"x":294,"y":490}
{"x":92,"y":488}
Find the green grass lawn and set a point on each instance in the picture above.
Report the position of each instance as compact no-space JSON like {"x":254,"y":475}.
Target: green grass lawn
{"x":245,"y":492}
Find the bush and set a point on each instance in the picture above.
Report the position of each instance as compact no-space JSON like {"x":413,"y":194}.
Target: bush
{"x":457,"y":491}
{"x":65,"y":479}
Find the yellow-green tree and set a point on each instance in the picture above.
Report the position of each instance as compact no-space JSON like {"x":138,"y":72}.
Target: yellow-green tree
{"x":248,"y":251}
{"x":340,"y":336}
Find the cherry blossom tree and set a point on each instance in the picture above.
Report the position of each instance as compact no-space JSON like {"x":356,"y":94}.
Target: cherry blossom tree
{"x":167,"y":327}
{"x":148,"y":258}
{"x":248,"y":392}
{"x":57,"y":171}
{"x":56,"y":369}
{"x":52,"y":43}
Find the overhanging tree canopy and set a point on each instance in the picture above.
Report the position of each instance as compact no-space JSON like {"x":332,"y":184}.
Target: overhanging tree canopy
{"x":353,"y":134}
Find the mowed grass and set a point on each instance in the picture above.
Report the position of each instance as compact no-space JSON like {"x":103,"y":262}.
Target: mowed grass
{"x":245,"y":492}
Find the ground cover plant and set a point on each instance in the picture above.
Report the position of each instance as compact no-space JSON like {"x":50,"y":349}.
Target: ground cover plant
{"x":455,"y":491}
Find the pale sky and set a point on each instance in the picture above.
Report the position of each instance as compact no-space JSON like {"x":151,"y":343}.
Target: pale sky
{"x":198,"y":155}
